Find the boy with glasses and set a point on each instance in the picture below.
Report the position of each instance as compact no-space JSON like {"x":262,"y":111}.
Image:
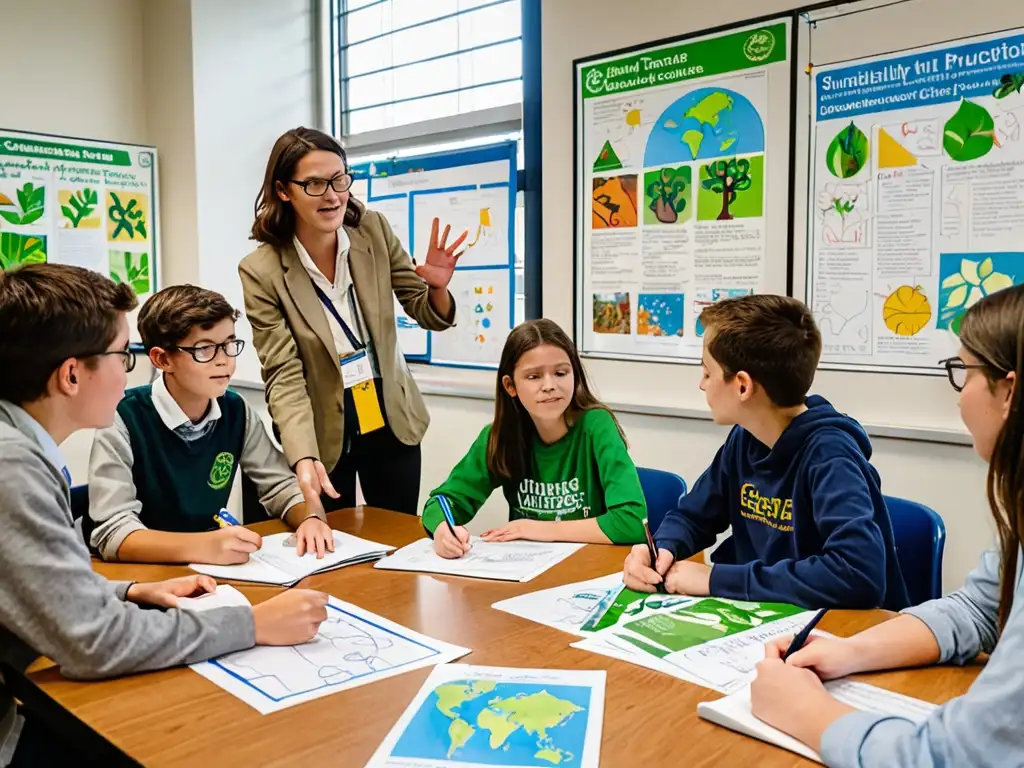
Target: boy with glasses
{"x":164,"y":470}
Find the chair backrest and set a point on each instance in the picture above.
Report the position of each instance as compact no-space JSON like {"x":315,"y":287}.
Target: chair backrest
{"x":79,"y":501}
{"x":662,"y":491}
{"x":920,"y":540}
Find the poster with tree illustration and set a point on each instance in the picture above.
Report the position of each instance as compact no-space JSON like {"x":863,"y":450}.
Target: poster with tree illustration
{"x":672,"y":155}
{"x":80,"y":202}
{"x":915,"y":205}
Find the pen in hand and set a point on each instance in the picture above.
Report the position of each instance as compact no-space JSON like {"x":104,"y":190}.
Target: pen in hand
{"x":801,"y":637}
{"x":449,"y":518}
{"x":653,"y":553}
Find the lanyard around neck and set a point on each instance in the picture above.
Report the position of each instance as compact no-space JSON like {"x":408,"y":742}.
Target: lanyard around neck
{"x":357,"y":345}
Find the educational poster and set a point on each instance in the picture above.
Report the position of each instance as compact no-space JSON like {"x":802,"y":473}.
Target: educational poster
{"x":80,"y":202}
{"x":471,"y":191}
{"x":672,"y":163}
{"x":917,"y":203}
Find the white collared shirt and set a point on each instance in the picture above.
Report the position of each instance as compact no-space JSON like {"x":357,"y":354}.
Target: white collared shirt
{"x":46,"y":442}
{"x":337,"y":292}
{"x":175,"y":419}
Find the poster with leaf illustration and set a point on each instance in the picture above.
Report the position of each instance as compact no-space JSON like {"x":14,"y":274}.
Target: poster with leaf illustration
{"x":917,"y":173}
{"x":80,"y":202}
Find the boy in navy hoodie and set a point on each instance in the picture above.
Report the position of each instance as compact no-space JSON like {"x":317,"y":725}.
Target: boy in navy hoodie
{"x":809,"y":524}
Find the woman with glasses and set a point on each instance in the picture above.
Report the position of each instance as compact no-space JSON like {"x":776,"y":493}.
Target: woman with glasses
{"x":986,"y":615}
{"x":320,"y":295}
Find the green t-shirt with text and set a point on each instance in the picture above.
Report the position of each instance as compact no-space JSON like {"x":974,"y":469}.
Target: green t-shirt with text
{"x":587,"y":473}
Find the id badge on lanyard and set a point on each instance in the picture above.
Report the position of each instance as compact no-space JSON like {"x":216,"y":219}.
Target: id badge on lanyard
{"x":356,"y":373}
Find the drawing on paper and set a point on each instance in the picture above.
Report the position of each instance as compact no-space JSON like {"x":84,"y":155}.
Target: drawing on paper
{"x":667,"y":195}
{"x":847,"y":153}
{"x":970,"y":133}
{"x":731,"y":189}
{"x":842,"y":314}
{"x":843,"y":214}
{"x":78,"y":207}
{"x":966,"y":278}
{"x":1009,"y":83}
{"x":127,"y":216}
{"x":18,"y":249}
{"x":487,"y":722}
{"x":621,"y":603}
{"x":705,"y":297}
{"x":614,"y":202}
{"x":130,"y":268}
{"x":607,"y":160}
{"x":618,"y":130}
{"x":704,"y":124}
{"x":612,"y":313}
{"x":903,"y":144}
{"x":30,"y":206}
{"x":659,"y":314}
{"x":906,"y":310}
{"x":345,"y":648}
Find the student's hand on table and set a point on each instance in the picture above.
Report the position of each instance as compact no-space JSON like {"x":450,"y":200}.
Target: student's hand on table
{"x":688,"y":578}
{"x":530,"y":530}
{"x":165,"y":594}
{"x":439,"y":266}
{"x":828,"y":657}
{"x":448,"y":546}
{"x":314,"y":535}
{"x":289,"y":618}
{"x":793,"y":699}
{"x":313,"y":480}
{"x":228,"y":546}
{"x":637,"y":573}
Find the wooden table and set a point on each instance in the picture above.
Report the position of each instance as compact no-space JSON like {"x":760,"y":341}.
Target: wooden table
{"x":177,"y":717}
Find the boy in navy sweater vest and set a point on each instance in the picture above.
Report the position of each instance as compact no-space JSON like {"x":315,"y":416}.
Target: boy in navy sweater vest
{"x":809,"y":524}
{"x":166,"y":467}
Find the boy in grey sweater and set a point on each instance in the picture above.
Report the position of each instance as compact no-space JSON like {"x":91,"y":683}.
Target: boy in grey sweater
{"x":64,"y":353}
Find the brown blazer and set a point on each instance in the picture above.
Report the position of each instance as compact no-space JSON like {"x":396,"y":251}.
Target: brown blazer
{"x":296,"y":350}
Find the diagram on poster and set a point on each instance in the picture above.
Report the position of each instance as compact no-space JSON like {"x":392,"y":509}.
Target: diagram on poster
{"x":79,"y":202}
{"x":673,"y":163}
{"x":917,"y":198}
{"x":484,"y":318}
{"x":481,"y":213}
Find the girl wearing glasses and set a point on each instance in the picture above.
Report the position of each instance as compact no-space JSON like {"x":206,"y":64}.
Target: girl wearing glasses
{"x":986,"y":615}
{"x":320,"y":295}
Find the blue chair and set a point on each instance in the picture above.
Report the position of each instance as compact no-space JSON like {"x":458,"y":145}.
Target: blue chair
{"x":79,"y":501}
{"x":920,"y":540}
{"x":662,"y":491}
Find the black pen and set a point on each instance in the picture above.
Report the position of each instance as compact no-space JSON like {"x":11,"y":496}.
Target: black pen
{"x":653,"y":552}
{"x":803,"y":634}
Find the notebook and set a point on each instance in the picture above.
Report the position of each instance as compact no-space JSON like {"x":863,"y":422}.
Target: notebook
{"x":733,"y":712}
{"x":502,"y":561}
{"x":277,"y":563}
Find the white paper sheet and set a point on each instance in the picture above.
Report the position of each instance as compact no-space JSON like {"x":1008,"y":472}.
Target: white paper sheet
{"x":499,"y":716}
{"x":225,"y":596}
{"x":733,"y":712}
{"x":353,"y":647}
{"x":565,"y":607}
{"x":502,"y":561}
{"x":277,"y":563}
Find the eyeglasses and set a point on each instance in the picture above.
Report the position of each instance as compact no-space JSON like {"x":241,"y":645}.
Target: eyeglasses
{"x":127,"y":354}
{"x":318,"y":187}
{"x":205,"y":353}
{"x":956,"y":370}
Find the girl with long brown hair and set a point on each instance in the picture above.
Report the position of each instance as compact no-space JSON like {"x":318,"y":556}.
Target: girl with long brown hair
{"x":320,"y":295}
{"x":981,"y":728}
{"x":558,"y":454}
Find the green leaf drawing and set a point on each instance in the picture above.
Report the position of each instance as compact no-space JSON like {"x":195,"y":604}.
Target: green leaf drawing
{"x":726,"y":178}
{"x":667,"y":193}
{"x":18,"y":249}
{"x":82,"y":205}
{"x":128,"y":218}
{"x":31,"y":201}
{"x":969,"y":134}
{"x":848,"y":152}
{"x":131,"y":268}
{"x":1009,"y":83}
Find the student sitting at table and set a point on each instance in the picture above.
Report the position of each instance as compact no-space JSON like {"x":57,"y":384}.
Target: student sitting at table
{"x":558,"y":454}
{"x":986,"y":615}
{"x":165,"y":468}
{"x":64,"y":354}
{"x":809,"y":524}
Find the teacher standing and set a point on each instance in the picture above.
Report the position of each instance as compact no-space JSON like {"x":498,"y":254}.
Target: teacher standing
{"x":319,"y":294}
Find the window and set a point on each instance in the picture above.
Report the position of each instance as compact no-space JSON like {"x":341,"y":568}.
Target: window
{"x":421,"y":76}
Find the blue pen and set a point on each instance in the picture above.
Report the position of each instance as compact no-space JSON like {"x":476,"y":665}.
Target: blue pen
{"x":803,"y":634}
{"x":225,"y":519}
{"x":446,"y":509}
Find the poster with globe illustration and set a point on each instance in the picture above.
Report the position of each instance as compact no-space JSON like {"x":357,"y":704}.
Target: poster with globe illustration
{"x":917,"y":203}
{"x":673,"y":163}
{"x":483,"y":716}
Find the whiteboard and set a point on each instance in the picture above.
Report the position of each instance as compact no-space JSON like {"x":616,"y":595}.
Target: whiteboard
{"x":81,"y":202}
{"x":682,"y":174}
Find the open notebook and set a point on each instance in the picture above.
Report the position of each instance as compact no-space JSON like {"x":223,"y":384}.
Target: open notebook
{"x":733,"y":712}
{"x":277,"y":563}
{"x":502,"y":561}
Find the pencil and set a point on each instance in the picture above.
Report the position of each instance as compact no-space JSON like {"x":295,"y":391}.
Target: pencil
{"x":653,"y":552}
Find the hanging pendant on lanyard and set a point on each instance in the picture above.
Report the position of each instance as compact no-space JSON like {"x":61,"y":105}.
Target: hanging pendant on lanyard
{"x":356,"y":371}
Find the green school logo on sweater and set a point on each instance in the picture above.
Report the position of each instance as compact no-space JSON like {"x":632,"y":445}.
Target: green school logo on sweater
{"x":220,"y":472}
{"x":552,"y":501}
